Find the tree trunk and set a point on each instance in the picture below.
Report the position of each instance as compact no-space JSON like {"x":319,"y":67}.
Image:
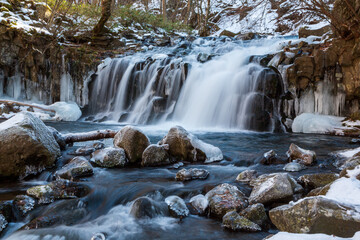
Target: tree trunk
{"x":164,"y":9}
{"x":88,"y":136}
{"x":105,"y":15}
{"x":9,"y":102}
{"x":188,"y":12}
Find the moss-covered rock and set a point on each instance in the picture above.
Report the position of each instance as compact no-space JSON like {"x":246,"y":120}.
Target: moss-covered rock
{"x":232,"y":220}
{"x":316,"y":215}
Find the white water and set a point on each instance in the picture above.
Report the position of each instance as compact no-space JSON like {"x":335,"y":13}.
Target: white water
{"x":220,"y":93}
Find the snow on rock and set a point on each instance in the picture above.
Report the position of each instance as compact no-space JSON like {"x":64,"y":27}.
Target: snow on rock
{"x":213,"y":154}
{"x":346,"y":190}
{"x":347,"y":153}
{"x":66,"y":111}
{"x":315,"y":123}
{"x":298,"y":236}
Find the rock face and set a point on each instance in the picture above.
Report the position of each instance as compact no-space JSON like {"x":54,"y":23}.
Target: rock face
{"x":78,"y":167}
{"x":109,"y":157}
{"x":303,"y":156}
{"x":224,"y":198}
{"x":60,"y":189}
{"x":191,"y":174}
{"x":177,"y":206}
{"x":156,"y":155}
{"x":232,"y":220}
{"x":271,"y":187}
{"x":133,"y":141}
{"x":146,"y":207}
{"x":27,"y":146}
{"x":316,"y":215}
{"x":186,"y":147}
{"x":200,"y":203}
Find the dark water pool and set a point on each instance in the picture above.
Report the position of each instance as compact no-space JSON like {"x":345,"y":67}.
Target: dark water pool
{"x":113,"y":190}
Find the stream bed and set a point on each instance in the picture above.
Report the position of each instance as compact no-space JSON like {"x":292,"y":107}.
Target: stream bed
{"x":106,"y":209}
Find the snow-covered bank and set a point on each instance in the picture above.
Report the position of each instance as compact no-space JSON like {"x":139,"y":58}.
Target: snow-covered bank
{"x":297,"y":236}
{"x":325,"y":124}
{"x":59,"y":111}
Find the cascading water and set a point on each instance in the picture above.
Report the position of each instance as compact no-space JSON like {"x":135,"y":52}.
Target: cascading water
{"x":205,"y":84}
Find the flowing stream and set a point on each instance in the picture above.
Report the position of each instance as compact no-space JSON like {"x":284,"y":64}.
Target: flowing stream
{"x":107,"y":208}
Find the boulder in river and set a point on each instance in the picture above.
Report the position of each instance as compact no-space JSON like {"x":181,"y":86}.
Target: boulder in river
{"x":27,"y":146}
{"x":191,"y":174}
{"x":316,"y":180}
{"x":303,"y":156}
{"x":224,"y":198}
{"x":177,"y":206}
{"x":156,"y":155}
{"x":257,"y":214}
{"x":186,"y":147}
{"x":65,"y":212}
{"x":59,"y":189}
{"x":200,"y":203}
{"x":269,"y":158}
{"x":6,"y":209}
{"x":146,"y":207}
{"x":271,"y":187}
{"x":246,"y":176}
{"x":316,"y":215}
{"x":133,"y":141}
{"x":233,"y":221}
{"x":109,"y":157}
{"x":78,"y":167}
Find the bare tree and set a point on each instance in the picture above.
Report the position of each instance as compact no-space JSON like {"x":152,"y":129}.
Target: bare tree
{"x":105,"y":15}
{"x":163,"y":4}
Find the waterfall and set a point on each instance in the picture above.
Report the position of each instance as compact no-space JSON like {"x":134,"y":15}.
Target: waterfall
{"x":208,"y":83}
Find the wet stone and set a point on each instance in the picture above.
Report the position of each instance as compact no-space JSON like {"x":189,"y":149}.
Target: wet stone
{"x":147,"y":207}
{"x":233,"y":221}
{"x":177,"y":206}
{"x":224,"y":198}
{"x":78,"y":167}
{"x":23,"y":204}
{"x":109,"y":157}
{"x":246,"y":176}
{"x":191,"y":174}
{"x":294,"y":167}
{"x":200,"y":203}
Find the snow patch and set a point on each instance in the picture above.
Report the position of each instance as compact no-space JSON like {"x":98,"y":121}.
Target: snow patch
{"x":315,"y":123}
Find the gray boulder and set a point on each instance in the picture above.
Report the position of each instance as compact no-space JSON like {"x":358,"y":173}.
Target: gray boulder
{"x":191,"y":174}
{"x":27,"y":146}
{"x":78,"y":167}
{"x":232,"y":220}
{"x":224,"y":198}
{"x":316,"y":215}
{"x":317,"y":180}
{"x":271,"y":187}
{"x":156,"y":155}
{"x":133,"y":141}
{"x":109,"y":157}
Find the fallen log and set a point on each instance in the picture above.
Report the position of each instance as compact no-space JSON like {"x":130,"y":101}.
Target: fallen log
{"x":9,"y":102}
{"x":88,"y":136}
